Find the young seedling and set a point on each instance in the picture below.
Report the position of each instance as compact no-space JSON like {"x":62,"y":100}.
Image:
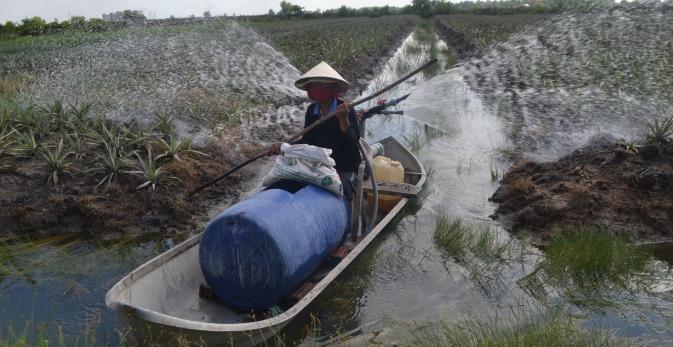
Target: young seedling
{"x":77,"y":144}
{"x":148,"y":170}
{"x":176,"y":147}
{"x":163,"y":122}
{"x":5,"y":139}
{"x":110,"y":163}
{"x":628,"y":146}
{"x":26,"y":144}
{"x":660,"y":131}
{"x":56,"y":162}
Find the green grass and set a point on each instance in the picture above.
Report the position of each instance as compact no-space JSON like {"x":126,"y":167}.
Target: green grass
{"x":51,"y":335}
{"x":591,"y":266}
{"x":480,"y":251}
{"x":546,"y":330}
{"x":458,"y":238}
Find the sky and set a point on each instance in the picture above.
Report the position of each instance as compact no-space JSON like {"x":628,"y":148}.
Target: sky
{"x":15,"y":10}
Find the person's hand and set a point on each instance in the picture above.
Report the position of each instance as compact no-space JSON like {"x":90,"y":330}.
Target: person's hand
{"x":342,"y":112}
{"x":342,"y":115}
{"x":274,"y":149}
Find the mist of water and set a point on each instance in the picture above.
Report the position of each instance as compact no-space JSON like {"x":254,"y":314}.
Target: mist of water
{"x":578,"y":74}
{"x":196,"y":72}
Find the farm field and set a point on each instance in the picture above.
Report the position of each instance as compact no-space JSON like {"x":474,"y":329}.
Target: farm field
{"x":102,"y":133}
{"x":350,"y":45}
{"x":483,"y":30}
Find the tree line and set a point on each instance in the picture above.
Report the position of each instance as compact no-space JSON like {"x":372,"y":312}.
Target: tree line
{"x":429,"y":8}
{"x":423,"y":8}
{"x":38,"y":26}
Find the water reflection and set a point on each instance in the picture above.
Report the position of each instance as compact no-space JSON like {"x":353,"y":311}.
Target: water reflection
{"x":467,"y":138}
{"x":61,"y":280}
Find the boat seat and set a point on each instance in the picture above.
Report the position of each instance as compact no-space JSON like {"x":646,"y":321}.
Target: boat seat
{"x":301,"y":292}
{"x":340,"y":253}
{"x":389,"y":188}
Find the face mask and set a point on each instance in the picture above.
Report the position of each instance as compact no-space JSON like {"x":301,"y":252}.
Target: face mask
{"x":322,"y":94}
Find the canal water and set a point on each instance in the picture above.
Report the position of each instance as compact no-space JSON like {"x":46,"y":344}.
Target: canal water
{"x":463,"y":134}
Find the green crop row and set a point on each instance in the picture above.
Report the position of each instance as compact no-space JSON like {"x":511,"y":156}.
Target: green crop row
{"x":65,"y":140}
{"x":483,"y":30}
{"x":339,"y":42}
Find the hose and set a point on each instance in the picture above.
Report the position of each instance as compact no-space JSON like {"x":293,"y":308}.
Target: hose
{"x":368,"y":166}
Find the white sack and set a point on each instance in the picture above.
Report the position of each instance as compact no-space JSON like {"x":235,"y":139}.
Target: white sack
{"x":308,"y":164}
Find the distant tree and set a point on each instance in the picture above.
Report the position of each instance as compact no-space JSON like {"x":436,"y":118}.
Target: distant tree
{"x":10,"y":28}
{"x":271,"y":12}
{"x":206,"y":14}
{"x":287,"y":9}
{"x":97,"y":25}
{"x":77,"y":22}
{"x":55,"y":27}
{"x":442,"y":7}
{"x":344,"y":11}
{"x":422,"y":7}
{"x":32,"y":26}
{"x":133,"y":15}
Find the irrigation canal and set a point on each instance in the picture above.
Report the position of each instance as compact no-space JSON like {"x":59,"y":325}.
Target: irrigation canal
{"x":403,"y":280}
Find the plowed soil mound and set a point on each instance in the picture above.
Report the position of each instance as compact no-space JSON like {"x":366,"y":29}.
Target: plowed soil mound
{"x":628,"y":191}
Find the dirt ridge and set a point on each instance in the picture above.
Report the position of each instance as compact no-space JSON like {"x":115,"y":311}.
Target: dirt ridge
{"x":627,"y":189}
{"x":459,"y":44}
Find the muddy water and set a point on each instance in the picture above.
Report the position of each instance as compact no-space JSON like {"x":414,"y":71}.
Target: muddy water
{"x":463,"y":133}
{"x":61,"y":281}
{"x":464,"y":136}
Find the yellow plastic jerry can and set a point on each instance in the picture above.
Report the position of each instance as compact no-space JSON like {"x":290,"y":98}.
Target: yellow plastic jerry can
{"x":387,"y":170}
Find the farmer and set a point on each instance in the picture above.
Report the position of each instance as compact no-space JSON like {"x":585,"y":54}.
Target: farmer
{"x":340,"y":134}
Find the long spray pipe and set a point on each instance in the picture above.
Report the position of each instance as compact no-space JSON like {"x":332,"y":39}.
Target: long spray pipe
{"x":315,"y":125}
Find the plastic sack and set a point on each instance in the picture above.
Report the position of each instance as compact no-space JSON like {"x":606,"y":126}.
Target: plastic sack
{"x":308,"y":164}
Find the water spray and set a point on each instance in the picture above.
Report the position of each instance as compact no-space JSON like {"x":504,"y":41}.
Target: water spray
{"x":316,"y":124}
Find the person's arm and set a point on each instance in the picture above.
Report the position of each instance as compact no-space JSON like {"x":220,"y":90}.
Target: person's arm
{"x":348,"y":123}
{"x":307,"y":121}
{"x":275,"y":148}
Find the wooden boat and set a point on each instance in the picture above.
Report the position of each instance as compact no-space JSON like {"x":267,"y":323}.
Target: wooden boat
{"x":160,"y":301}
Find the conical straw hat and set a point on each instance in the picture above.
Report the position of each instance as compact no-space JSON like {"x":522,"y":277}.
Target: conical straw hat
{"x":322,"y":73}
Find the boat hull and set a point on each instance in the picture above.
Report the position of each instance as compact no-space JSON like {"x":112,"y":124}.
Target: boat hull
{"x":143,"y":332}
{"x":160,"y":302}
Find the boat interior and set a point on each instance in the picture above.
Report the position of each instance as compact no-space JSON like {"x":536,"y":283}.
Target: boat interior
{"x":175,"y":286}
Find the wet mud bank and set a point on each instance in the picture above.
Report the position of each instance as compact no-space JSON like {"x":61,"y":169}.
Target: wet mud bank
{"x":461,"y":47}
{"x":28,"y":205}
{"x":624,"y":188}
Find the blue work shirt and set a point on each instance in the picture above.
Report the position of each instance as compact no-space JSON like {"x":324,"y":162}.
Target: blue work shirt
{"x":332,"y":108}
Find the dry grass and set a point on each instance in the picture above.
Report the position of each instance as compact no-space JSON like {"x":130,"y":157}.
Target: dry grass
{"x":580,"y":197}
{"x":521,"y":186}
{"x":12,"y":85}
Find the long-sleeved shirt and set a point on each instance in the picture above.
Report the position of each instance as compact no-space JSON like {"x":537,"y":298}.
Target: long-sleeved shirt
{"x":329,"y":135}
